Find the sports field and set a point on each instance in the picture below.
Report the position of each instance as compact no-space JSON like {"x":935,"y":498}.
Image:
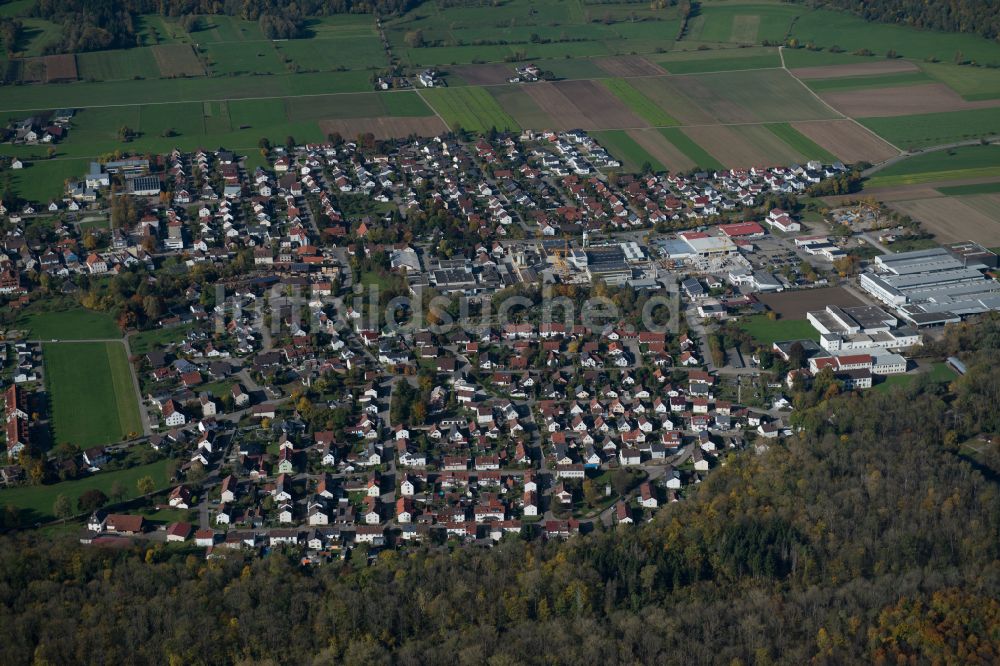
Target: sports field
{"x":93,"y":400}
{"x":768,"y":331}
{"x":68,"y":324}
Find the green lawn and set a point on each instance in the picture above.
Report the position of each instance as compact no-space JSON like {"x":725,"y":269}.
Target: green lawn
{"x":247,"y":58}
{"x":741,"y":23}
{"x":686,"y":145}
{"x":72,"y":324}
{"x":93,"y":401}
{"x":939,"y":373}
{"x":36,"y":502}
{"x":473,"y":109}
{"x":43,"y":180}
{"x":147,"y":341}
{"x":801,"y":143}
{"x":932,"y":129}
{"x":965,"y":162}
{"x":767,"y":331}
{"x":642,"y":105}
{"x":348,"y":52}
{"x":624,"y":148}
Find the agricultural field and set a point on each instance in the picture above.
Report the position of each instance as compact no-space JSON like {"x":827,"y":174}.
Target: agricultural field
{"x":651,"y":112}
{"x":799,"y":142}
{"x":743,"y":145}
{"x":829,"y":28}
{"x":867,"y":67}
{"x":35,"y":502}
{"x":68,"y":324}
{"x":117,"y":65}
{"x":958,"y":163}
{"x":684,"y":143}
{"x":220,"y":28}
{"x":243,"y":59}
{"x":628,"y":151}
{"x":808,"y":58}
{"x":177,"y":60}
{"x":663,"y":151}
{"x":865,"y":82}
{"x":719,"y":60}
{"x":93,"y":399}
{"x":903,"y":100}
{"x":602,"y":109}
{"x":741,"y":23}
{"x":629,"y":66}
{"x":522,"y":108}
{"x":350,"y":52}
{"x":472,"y":109}
{"x":972,"y":83}
{"x":953,"y":219}
{"x":849,"y":141}
{"x":752,"y":96}
{"x":962,"y":190}
{"x":931,"y":129}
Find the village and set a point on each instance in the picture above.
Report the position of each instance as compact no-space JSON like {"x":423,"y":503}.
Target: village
{"x":302,"y":403}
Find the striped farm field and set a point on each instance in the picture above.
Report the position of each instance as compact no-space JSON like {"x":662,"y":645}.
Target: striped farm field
{"x":469,"y":108}
{"x":623,"y":147}
{"x":932,"y":129}
{"x":801,"y":143}
{"x":642,"y":105}
{"x":689,"y":147}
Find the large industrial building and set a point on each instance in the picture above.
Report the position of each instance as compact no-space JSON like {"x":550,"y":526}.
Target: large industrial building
{"x":935,"y":286}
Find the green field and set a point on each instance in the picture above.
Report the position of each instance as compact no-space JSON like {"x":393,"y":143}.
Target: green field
{"x":964,"y":162}
{"x":966,"y":190}
{"x":809,"y":58}
{"x":472,"y":109}
{"x":103,"y":94}
{"x":93,"y":400}
{"x":36,"y":502}
{"x":931,"y":129}
{"x":828,"y":28}
{"x":686,"y":145}
{"x":741,"y":23}
{"x":117,"y":65}
{"x":68,"y":324}
{"x":972,"y":83}
{"x":862,"y":82}
{"x":801,"y":143}
{"x":42,"y":181}
{"x":625,"y":149}
{"x":642,"y":105}
{"x":349,"y":52}
{"x":691,"y":62}
{"x":243,"y":58}
{"x":767,"y":331}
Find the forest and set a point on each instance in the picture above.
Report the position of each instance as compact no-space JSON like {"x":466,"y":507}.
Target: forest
{"x":872,"y":536}
{"x":91,"y":25}
{"x":976,"y":16}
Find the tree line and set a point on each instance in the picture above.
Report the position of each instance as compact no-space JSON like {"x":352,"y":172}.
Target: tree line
{"x":979,"y":17}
